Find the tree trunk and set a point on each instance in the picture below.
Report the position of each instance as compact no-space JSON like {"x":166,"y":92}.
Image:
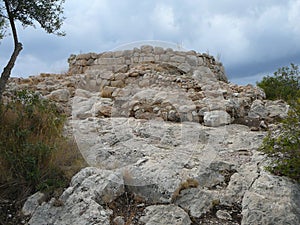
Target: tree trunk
{"x":17,"y":49}
{"x":7,"y":70}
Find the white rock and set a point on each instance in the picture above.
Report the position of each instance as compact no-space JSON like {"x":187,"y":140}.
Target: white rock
{"x":83,"y":202}
{"x":258,"y":110}
{"x":197,"y":201}
{"x":216,"y":118}
{"x":32,"y":203}
{"x":60,"y":95}
{"x":223,"y":215}
{"x":165,"y":215}
{"x":271,"y":200}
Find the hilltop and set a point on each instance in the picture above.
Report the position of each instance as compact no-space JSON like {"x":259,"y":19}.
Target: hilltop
{"x":168,"y":140}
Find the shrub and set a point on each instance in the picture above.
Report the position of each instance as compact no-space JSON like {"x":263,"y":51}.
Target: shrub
{"x":285,"y":84}
{"x":283,"y":144}
{"x":33,"y":151}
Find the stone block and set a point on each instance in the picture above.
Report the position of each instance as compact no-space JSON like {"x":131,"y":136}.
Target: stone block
{"x":121,"y":68}
{"x":216,"y":118}
{"x":148,"y":59}
{"x":118,"y":54}
{"x":165,"y":58}
{"x":177,"y":58}
{"x":60,"y":95}
{"x":192,"y":60}
{"x":128,"y":53}
{"x":185,"y":67}
{"x":158,"y":50}
{"x":146,"y":49}
{"x":106,"y":55}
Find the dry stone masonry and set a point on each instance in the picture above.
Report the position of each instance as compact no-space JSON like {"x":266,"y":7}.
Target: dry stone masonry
{"x":187,"y":61}
{"x":169,"y":141}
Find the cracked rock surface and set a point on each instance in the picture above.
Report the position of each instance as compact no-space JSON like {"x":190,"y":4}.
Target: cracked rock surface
{"x":165,"y":146}
{"x":217,"y":175}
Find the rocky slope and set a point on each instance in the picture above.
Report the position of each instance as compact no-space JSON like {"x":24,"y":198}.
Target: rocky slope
{"x":168,"y":141}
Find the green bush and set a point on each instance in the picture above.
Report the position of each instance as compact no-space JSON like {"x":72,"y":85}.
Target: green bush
{"x":283,"y":144}
{"x":285,"y":84}
{"x":33,"y":151}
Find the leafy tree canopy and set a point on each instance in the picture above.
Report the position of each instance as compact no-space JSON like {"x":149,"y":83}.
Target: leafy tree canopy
{"x":45,"y":12}
{"x":285,"y":84}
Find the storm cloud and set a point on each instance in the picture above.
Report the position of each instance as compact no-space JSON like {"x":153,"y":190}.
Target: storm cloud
{"x":251,"y":38}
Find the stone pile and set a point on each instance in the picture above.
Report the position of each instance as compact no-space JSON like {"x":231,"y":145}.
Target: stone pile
{"x":186,"y":61}
{"x":166,"y":143}
{"x":156,"y":91}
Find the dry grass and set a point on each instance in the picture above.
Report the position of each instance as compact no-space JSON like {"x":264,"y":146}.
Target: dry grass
{"x":34,"y":155}
{"x":189,"y":183}
{"x":68,"y":158}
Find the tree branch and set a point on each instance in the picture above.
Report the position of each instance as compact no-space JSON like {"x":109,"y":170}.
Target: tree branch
{"x":12,"y":23}
{"x":17,"y":49}
{"x":1,"y":15}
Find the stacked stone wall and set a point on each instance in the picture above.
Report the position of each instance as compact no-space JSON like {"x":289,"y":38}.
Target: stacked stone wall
{"x":187,"y":61}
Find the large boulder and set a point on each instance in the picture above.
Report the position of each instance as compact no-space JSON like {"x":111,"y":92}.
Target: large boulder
{"x":60,"y":95}
{"x":216,"y":118}
{"x":271,"y":200}
{"x":83,"y":202}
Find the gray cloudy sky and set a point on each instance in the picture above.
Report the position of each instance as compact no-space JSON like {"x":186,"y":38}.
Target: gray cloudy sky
{"x":252,"y":38}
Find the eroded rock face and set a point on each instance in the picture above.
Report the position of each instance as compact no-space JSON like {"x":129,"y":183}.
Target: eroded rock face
{"x":165,"y":215}
{"x":269,"y":192}
{"x":83,"y":202}
{"x":168,"y":135}
{"x":155,"y":89}
{"x":172,"y":166}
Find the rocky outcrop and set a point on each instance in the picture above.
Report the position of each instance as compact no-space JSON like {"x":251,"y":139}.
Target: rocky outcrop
{"x":121,"y":61}
{"x":83,"y":202}
{"x":152,"y":90}
{"x":169,"y":141}
{"x":195,"y":172}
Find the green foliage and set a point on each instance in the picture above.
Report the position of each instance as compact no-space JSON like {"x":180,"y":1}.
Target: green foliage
{"x":285,"y":84}
{"x":46,"y":13}
{"x":2,"y":28}
{"x":30,"y":135}
{"x":283,"y":144}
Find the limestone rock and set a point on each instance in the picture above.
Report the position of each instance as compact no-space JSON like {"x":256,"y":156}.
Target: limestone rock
{"x":268,"y":109}
{"x":223,"y":215}
{"x":197,"y":201}
{"x":271,"y":200}
{"x":154,"y":120}
{"x":216,"y":118}
{"x":257,"y":110}
{"x":32,"y":203}
{"x":165,"y":215}
{"x":277,"y":109}
{"x":60,"y":95}
{"x":82,"y":203}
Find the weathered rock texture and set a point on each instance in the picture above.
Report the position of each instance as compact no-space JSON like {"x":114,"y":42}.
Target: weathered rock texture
{"x":169,"y":141}
{"x":121,"y":61}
